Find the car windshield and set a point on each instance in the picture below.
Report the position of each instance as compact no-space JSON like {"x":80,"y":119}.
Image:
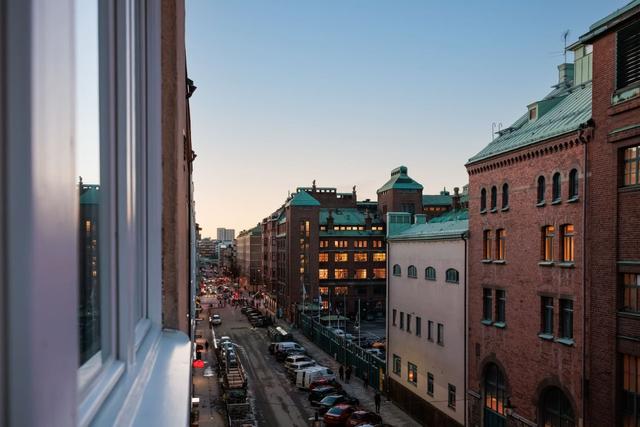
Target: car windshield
{"x":330,"y":400}
{"x":336,"y":410}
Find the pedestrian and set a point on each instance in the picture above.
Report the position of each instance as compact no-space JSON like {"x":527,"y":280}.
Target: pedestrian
{"x":206,"y":345}
{"x":348,"y":374}
{"x":365,"y":379}
{"x":341,"y":373}
{"x":377,"y":401}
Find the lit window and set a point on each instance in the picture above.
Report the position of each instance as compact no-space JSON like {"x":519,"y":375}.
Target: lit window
{"x":323,"y":274}
{"x":486,"y":244}
{"x":494,"y":396}
{"x":568,"y":240}
{"x":360,"y":243}
{"x":379,"y":273}
{"x":323,"y":290}
{"x":556,"y":409}
{"x":630,"y":390}
{"x":379,"y":257}
{"x":341,"y":257}
{"x":360,"y":257}
{"x":340,"y":243}
{"x":397,"y":271}
{"x":501,"y":243}
{"x":412,"y":373}
{"x":323,"y":257}
{"x":412,"y":272}
{"x":324,"y":243}
{"x":430,"y":273}
{"x":630,"y":286}
{"x":631,"y":166}
{"x":361,"y":273}
{"x":452,"y":276}
{"x":341,"y":290}
{"x":377,"y":243}
{"x":548,"y":233}
{"x":341,"y":273}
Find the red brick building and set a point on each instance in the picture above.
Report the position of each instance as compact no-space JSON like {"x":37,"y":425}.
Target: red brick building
{"x":613,"y":221}
{"x":526,"y":263}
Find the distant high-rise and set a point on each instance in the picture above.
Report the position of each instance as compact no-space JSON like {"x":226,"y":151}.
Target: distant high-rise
{"x":226,"y":234}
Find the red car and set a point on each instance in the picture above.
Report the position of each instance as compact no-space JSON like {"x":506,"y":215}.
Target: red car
{"x":325,"y":381}
{"x":338,"y":415}
{"x":363,"y":417}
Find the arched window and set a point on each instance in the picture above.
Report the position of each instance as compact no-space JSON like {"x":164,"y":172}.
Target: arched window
{"x":453,"y":276}
{"x":541,"y":189}
{"x":483,"y":200}
{"x":495,"y":400}
{"x":430,"y":273}
{"x":412,"y":272}
{"x":555,"y":409}
{"x":494,"y":197}
{"x":505,"y":195}
{"x":573,"y":184}
{"x":397,"y":271}
{"x":557,"y":193}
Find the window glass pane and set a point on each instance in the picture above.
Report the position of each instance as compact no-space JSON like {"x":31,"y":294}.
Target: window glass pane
{"x":87,"y":144}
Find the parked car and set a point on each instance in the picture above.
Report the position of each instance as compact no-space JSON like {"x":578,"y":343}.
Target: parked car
{"x":319,"y":393}
{"x":359,"y":418}
{"x":305,"y":377}
{"x":338,"y":415}
{"x":335,"y":399}
{"x":338,"y":332}
{"x":376,"y":352}
{"x":320,"y":382}
{"x":293,"y":370}
{"x":272,"y":347}
{"x":216,"y":319}
{"x":349,"y":337}
{"x":295,"y":358}
{"x":281,"y":356}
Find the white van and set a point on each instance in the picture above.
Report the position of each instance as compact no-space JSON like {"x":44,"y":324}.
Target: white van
{"x":288,"y":345}
{"x":305,"y":377}
{"x":299,"y":366}
{"x":295,"y":358}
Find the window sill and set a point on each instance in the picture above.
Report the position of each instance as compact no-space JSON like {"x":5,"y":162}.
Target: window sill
{"x":556,"y":202}
{"x":483,"y":211}
{"x":500,"y":325}
{"x":566,"y":341}
{"x":486,"y":261}
{"x":505,"y":209}
{"x":546,"y":263}
{"x":412,"y":383}
{"x":486,"y":322}
{"x":494,"y":210}
{"x":566,"y":264}
{"x":541,"y":204}
{"x":573,"y":199}
{"x":441,"y":344}
{"x":623,"y":95}
{"x":546,"y":337}
{"x":499,"y":261}
{"x":430,"y":394}
{"x":629,"y":188}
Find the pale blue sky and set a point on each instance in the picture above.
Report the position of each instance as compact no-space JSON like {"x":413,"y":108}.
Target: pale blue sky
{"x":343,"y":91}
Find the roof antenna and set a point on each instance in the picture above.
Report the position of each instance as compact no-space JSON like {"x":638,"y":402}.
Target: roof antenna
{"x":565,"y":36}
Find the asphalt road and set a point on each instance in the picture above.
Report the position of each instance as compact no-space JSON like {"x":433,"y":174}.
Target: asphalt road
{"x":275,"y":400}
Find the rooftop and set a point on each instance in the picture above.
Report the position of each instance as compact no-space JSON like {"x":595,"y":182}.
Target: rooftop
{"x":400,"y":181}
{"x":602,"y":25}
{"x":450,"y":224}
{"x":569,"y":108}
{"x":302,"y":198}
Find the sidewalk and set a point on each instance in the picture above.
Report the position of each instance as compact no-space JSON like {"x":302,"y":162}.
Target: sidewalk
{"x":389,"y":412}
{"x":211,"y":409}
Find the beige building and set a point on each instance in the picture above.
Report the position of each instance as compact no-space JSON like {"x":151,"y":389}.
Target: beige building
{"x":249,"y":257}
{"x":426,"y":316}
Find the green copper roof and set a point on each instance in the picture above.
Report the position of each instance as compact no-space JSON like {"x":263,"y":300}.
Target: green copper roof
{"x":605,"y":23}
{"x":400,"y":181}
{"x":450,"y":224}
{"x":348,"y":216}
{"x":572,"y":109}
{"x":436,"y":199}
{"x":302,"y":198}
{"x":90,"y":195}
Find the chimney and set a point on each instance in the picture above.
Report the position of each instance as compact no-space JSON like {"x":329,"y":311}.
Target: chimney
{"x":565,"y":74}
{"x":455,"y":199}
{"x":420,"y":219}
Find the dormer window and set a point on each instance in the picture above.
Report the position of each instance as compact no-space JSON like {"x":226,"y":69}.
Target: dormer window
{"x":533,"y":112}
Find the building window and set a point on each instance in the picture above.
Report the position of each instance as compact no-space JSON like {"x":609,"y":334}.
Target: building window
{"x":402,"y":320}
{"x":408,"y":322}
{"x":340,"y":243}
{"x":556,"y":409}
{"x":418,"y":326}
{"x":360,"y":257}
{"x":323,"y":290}
{"x":501,"y":305}
{"x":361,"y":273}
{"x":630,"y":390}
{"x":628,"y":66}
{"x":630,"y":286}
{"x":430,"y":273}
{"x":483,"y":200}
{"x":556,"y":188}
{"x":568,"y":237}
{"x":340,"y":290}
{"x":452,"y":396}
{"x":541,"y":189}
{"x":546,"y":315}
{"x":452,"y":276}
{"x":379,"y":273}
{"x":341,"y":257}
{"x":324,"y":243}
{"x":340,"y":273}
{"x":412,"y":272}
{"x":430,"y":384}
{"x":505,"y":195}
{"x":393,"y":317}
{"x":573,"y":184}
{"x":494,"y":396}
{"x":396,"y":270}
{"x":548,"y":233}
{"x":440,"y":334}
{"x":486,"y":244}
{"x":323,"y":257}
{"x":397,"y":364}
{"x":501,"y":244}
{"x":379,"y":257}
{"x":430,"y":330}
{"x":377,"y":243}
{"x":632,"y":166}
{"x":360,"y":244}
{"x":566,"y":319}
{"x":412,"y":373}
{"x":494,"y":198}
{"x":487,"y":304}
{"x":323,"y":274}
